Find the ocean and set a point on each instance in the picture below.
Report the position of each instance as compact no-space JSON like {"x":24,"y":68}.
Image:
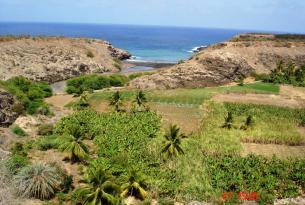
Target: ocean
{"x":145,"y":43}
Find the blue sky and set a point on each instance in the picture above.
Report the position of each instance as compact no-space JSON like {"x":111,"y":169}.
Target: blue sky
{"x":269,"y":15}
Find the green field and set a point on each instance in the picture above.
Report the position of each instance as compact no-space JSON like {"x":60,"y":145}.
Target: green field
{"x":191,"y":97}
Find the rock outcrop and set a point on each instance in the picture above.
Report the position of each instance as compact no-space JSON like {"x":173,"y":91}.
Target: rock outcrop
{"x":54,"y":59}
{"x":226,"y":62}
{"x":7,"y":114}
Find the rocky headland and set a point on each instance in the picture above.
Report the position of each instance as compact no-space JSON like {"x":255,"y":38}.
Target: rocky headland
{"x":228,"y":61}
{"x":53,"y":59}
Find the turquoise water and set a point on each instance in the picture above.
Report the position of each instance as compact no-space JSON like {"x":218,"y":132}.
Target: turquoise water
{"x":145,"y":43}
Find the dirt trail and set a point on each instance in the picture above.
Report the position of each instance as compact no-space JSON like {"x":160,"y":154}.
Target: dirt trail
{"x":289,"y":96}
{"x":60,"y":101}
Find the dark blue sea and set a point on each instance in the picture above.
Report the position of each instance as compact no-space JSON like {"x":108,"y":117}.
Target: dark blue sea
{"x":145,"y":43}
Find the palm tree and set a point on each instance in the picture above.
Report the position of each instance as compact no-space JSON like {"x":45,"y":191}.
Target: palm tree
{"x":172,"y":145}
{"x":73,"y":145}
{"x":83,"y":102}
{"x":248,"y":123}
{"x":135,"y":186}
{"x":39,"y":181}
{"x":228,"y":121}
{"x":100,"y":188}
{"x":141,"y":99}
{"x":116,"y":101}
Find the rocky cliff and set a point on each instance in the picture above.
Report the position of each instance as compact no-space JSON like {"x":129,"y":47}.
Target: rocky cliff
{"x":54,"y":59}
{"x":226,"y":62}
{"x":7,"y":115}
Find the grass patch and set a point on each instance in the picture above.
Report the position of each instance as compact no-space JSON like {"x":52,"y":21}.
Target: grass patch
{"x":19,"y":131}
{"x":191,"y":97}
{"x":272,"y":125}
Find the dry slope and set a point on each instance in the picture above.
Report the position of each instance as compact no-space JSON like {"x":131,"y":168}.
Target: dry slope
{"x":225,"y":62}
{"x":54,"y":59}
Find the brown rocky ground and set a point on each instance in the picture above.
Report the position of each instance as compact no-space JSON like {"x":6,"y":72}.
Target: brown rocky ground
{"x":54,"y":59}
{"x":225,"y":62}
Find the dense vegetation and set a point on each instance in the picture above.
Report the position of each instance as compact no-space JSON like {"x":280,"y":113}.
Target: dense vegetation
{"x":29,"y":93}
{"x":285,"y":74}
{"x":94,"y":82}
{"x":127,"y":153}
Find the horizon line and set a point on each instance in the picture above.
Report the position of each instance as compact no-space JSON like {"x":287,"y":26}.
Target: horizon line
{"x":152,"y":25}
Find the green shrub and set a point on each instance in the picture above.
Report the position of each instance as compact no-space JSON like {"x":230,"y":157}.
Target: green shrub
{"x":82,"y":123}
{"x":90,"y":54}
{"x":16,"y":162}
{"x":38,"y":181}
{"x":66,"y":184}
{"x":271,"y":178}
{"x":18,"y":148}
{"x":94,"y":82}
{"x":117,"y":80}
{"x":29,"y":93}
{"x":285,"y":74}
{"x":45,"y":129}
{"x":19,"y":131}
{"x":47,"y":142}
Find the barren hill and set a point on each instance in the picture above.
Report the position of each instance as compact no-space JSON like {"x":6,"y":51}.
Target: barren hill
{"x":56,"y":58}
{"x":228,"y":61}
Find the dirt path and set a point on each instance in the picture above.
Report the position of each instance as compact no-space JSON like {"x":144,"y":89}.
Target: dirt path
{"x":289,"y":97}
{"x":60,"y":101}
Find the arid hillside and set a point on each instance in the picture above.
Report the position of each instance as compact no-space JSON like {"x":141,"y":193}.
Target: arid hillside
{"x":54,"y":59}
{"x":228,"y":61}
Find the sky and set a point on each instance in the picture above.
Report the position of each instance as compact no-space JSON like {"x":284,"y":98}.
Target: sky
{"x":264,"y":15}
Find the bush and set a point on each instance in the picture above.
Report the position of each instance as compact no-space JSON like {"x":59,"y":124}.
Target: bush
{"x":271,"y":178}
{"x":29,"y":93}
{"x":19,"y":149}
{"x":38,"y":181}
{"x":19,"y":131}
{"x":46,"y":143}
{"x":90,"y":54}
{"x":117,"y":80}
{"x":285,"y":74}
{"x":16,"y":162}
{"x":82,"y":123}
{"x":94,"y":82}
{"x":46,"y":129}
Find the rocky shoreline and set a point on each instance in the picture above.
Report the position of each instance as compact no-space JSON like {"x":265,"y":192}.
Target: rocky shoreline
{"x":54,"y":59}
{"x":226,"y":62}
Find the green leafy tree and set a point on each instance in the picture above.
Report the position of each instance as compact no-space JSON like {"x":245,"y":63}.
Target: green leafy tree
{"x":116,"y":101}
{"x":39,"y":181}
{"x":135,"y":186}
{"x":172,"y":145}
{"x":100,"y":188}
{"x":228,"y":121}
